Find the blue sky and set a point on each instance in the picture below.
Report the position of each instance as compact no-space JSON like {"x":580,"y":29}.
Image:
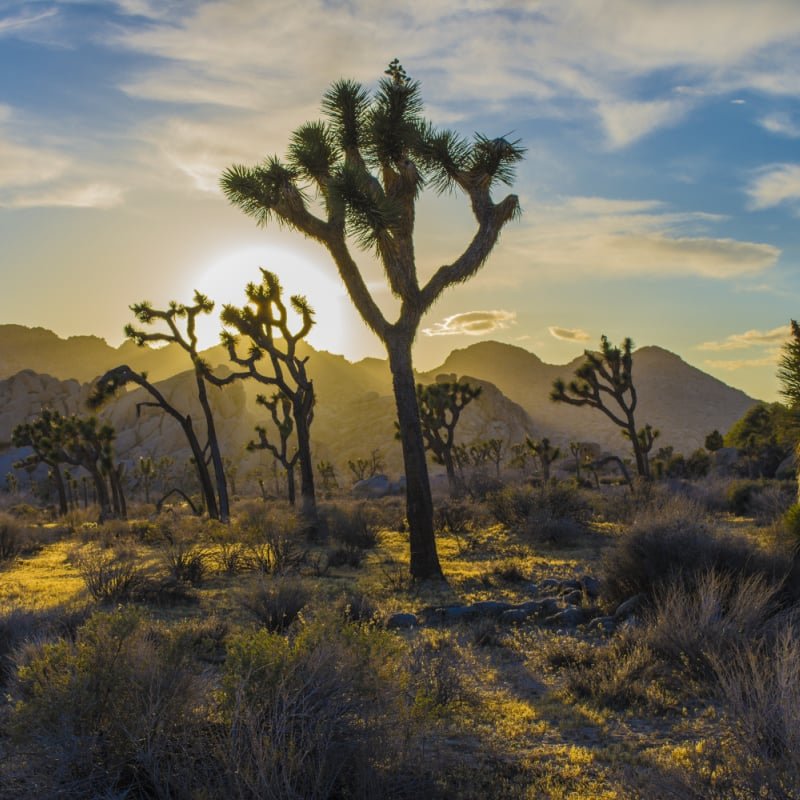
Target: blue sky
{"x":660,"y":192}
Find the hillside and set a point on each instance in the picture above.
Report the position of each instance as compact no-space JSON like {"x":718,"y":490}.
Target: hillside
{"x":355,"y":410}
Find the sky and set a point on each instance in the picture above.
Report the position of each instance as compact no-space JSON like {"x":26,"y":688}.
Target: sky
{"x":660,"y":191}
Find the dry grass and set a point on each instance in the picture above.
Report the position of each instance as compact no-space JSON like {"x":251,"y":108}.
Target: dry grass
{"x":477,"y":709}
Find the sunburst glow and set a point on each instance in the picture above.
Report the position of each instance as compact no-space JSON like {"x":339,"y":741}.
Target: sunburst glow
{"x":224,"y":281}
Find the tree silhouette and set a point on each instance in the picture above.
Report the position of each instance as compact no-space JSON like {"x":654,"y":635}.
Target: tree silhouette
{"x":80,"y":442}
{"x":545,"y":454}
{"x":42,"y":435}
{"x":111,"y":382}
{"x":367,"y":163}
{"x":264,"y":321}
{"x":365,"y":468}
{"x":714,"y":441}
{"x":280,"y":409}
{"x":603,"y":381}
{"x":440,"y":407}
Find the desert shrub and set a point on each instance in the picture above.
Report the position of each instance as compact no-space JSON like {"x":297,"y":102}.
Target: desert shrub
{"x":771,"y":503}
{"x":741,"y":494}
{"x":185,"y":561}
{"x":113,"y":712}
{"x":11,"y":537}
{"x":619,"y":674}
{"x":356,"y":606}
{"x":355,"y":526}
{"x":791,"y":523}
{"x":276,"y":604}
{"x":110,"y":577}
{"x":439,"y":672}
{"x":512,"y":505}
{"x":347,"y":556}
{"x":20,"y":626}
{"x":703,"y":623}
{"x":270,"y":537}
{"x":516,"y":506}
{"x":761,"y":695}
{"x":677,"y":542}
{"x":316,"y":716}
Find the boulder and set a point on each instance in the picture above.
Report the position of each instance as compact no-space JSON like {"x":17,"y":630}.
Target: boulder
{"x":402,"y":621}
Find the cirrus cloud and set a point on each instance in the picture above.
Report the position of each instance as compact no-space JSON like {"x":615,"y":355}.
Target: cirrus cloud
{"x":751,"y":338}
{"x":568,"y":334}
{"x":775,"y":185}
{"x":472,"y":323}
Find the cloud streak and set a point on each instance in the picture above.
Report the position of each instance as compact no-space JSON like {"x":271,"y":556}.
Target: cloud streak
{"x":472,"y":323}
{"x":568,"y":334}
{"x":751,"y":338}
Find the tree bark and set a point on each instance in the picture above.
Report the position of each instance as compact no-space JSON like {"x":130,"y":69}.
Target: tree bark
{"x":300,"y":411}
{"x":419,"y":503}
{"x":62,"y":492}
{"x":206,"y":487}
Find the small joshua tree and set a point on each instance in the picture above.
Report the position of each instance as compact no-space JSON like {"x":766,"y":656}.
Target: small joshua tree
{"x":365,"y":468}
{"x":42,"y":436}
{"x":605,"y":382}
{"x":545,"y":454}
{"x":440,"y":407}
{"x":280,"y":409}
{"x":366,"y":164}
{"x":264,"y":321}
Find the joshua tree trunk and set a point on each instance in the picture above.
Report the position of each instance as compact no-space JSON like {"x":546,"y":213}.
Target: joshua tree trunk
{"x":301,"y":403}
{"x":213,"y":446}
{"x":62,"y":492}
{"x":419,"y":503}
{"x":290,"y":488}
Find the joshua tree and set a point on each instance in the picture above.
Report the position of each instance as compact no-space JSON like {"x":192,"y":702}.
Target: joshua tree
{"x":327,"y":472}
{"x":109,"y":384}
{"x":264,"y":321}
{"x":789,"y":377}
{"x":606,"y":377}
{"x":187,"y":340}
{"x":365,"y":468}
{"x":82,"y":442}
{"x":545,"y":453}
{"x":440,"y":407}
{"x":367,"y":163}
{"x":42,"y":436}
{"x":283,"y":422}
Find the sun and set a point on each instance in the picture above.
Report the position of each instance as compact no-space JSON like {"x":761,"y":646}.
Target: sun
{"x":224,"y":282}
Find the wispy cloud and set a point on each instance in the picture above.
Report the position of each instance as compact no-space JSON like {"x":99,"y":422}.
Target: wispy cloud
{"x":577,"y":62}
{"x":568,"y":334}
{"x":597,"y":236}
{"x":472,"y":323}
{"x":751,"y":338}
{"x":21,"y":165}
{"x":781,"y":124}
{"x":734,"y":364}
{"x":775,"y":185}
{"x":93,"y":195}
{"x":12,"y":24}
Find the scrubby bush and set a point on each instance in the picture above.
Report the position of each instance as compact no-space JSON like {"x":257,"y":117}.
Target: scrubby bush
{"x":353,"y":526}
{"x":678,"y":542}
{"x":741,"y":495}
{"x":11,"y":537}
{"x":185,"y":561}
{"x":791,"y":523}
{"x":110,"y":577}
{"x":112,"y":711}
{"x":277,"y":603}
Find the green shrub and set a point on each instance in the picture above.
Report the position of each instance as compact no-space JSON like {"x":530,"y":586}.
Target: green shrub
{"x":741,"y":495}
{"x":353,"y":526}
{"x":11,"y":537}
{"x":110,"y":577}
{"x":791,"y":522}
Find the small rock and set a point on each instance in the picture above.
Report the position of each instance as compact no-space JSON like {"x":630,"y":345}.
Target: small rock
{"x":402,"y":620}
{"x":570,"y":585}
{"x":453,"y":613}
{"x":591,"y":586}
{"x":514,"y":616}
{"x":574,"y":597}
{"x":550,"y":583}
{"x":570,"y":616}
{"x":627,"y":608}
{"x":605,"y":624}
{"x":548,"y":605}
{"x":490,"y":608}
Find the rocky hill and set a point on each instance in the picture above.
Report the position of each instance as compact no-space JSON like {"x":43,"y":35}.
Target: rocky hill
{"x":355,"y":409}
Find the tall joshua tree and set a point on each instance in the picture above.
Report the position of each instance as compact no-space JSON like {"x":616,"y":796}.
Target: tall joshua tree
{"x":264,"y":321}
{"x":605,"y":382}
{"x":789,"y":377}
{"x":367,"y":163}
{"x":216,"y":501}
{"x":545,"y":453}
{"x":440,"y":406}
